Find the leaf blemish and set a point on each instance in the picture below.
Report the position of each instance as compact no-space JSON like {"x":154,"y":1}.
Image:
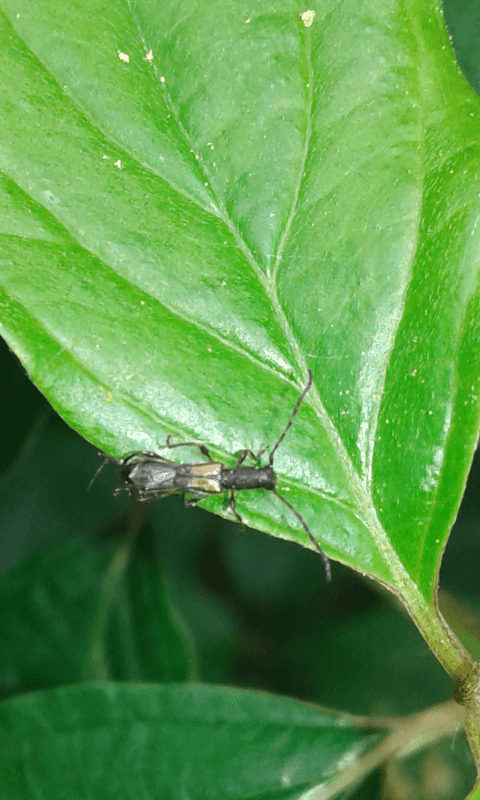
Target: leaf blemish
{"x":307,"y":17}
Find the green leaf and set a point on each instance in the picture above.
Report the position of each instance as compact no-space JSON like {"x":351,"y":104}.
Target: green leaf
{"x":449,"y":758}
{"x":69,"y":613}
{"x":372,"y":663}
{"x":119,"y":741}
{"x":200,"y":203}
{"x":146,"y":637}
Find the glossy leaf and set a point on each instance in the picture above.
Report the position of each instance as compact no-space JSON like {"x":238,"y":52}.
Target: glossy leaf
{"x":117,"y":741}
{"x":200,"y":203}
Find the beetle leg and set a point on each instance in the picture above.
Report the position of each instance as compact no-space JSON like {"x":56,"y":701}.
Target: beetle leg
{"x":242,"y":457}
{"x":232,"y":505}
{"x":144,"y":454}
{"x":203,"y":449}
{"x":255,"y":456}
{"x":189,"y":502}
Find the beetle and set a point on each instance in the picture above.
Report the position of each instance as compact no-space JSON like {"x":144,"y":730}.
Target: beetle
{"x":147,"y":475}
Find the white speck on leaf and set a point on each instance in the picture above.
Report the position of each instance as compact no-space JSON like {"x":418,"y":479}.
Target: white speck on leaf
{"x":307,"y":17}
{"x":51,"y":198}
{"x":429,"y":481}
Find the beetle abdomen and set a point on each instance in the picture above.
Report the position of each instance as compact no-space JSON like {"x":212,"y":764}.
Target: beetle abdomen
{"x":240,"y":478}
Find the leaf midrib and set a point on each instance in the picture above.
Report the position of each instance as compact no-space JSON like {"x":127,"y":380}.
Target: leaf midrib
{"x":366,"y":509}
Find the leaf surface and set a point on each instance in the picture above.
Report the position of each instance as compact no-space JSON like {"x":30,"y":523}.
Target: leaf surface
{"x":122,"y":741}
{"x":199,"y":204}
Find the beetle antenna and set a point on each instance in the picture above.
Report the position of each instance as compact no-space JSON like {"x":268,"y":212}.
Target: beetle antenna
{"x":292,"y":417}
{"x":99,"y":469}
{"x":325,"y":559}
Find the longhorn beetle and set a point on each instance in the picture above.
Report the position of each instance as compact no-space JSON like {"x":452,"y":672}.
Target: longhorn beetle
{"x":149,"y":476}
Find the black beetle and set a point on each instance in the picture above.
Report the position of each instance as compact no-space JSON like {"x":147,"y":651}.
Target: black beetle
{"x":149,"y":476}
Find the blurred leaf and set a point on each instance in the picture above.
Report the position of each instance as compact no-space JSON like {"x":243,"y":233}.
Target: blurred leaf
{"x":146,"y":639}
{"x":43,"y":500}
{"x":463,"y":619}
{"x":45,"y":495}
{"x":444,"y":769}
{"x":50,"y":605}
{"x":122,"y":741}
{"x":373,"y":663}
{"x":371,"y":789}
{"x":58,"y":607}
{"x":195,"y":213}
{"x":463,"y":20}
